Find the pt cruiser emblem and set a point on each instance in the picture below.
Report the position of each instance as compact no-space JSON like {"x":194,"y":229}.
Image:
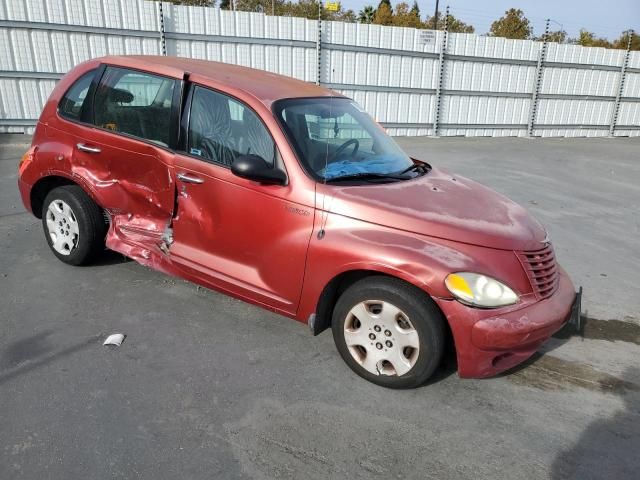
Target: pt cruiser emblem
{"x":298,"y":211}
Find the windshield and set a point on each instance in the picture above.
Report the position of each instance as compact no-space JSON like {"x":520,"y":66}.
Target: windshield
{"x":335,"y":138}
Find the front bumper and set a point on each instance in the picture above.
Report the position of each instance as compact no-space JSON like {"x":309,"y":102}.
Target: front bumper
{"x":489,"y":342}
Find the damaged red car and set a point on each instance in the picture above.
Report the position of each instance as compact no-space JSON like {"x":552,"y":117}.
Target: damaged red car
{"x":289,"y":196}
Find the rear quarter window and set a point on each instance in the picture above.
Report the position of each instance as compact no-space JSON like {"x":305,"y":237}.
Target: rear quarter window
{"x":73,"y":101}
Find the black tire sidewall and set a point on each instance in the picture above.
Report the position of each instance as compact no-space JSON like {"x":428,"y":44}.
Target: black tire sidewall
{"x":424,"y":315}
{"x":81,"y":205}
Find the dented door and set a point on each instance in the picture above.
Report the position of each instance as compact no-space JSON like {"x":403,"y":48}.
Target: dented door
{"x":240,"y":236}
{"x":133,"y":182}
{"x":128,"y":160}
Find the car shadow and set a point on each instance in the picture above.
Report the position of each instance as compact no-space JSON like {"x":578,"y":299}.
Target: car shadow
{"x":448,"y":366}
{"x":608,"y":447}
{"x":109,"y":257}
{"x":33,"y":352}
{"x":25,"y":349}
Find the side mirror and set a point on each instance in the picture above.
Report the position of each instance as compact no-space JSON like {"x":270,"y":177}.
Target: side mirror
{"x":253,"y":167}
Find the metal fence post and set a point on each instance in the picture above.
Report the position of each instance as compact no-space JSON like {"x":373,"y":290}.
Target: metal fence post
{"x":533,"y":109}
{"x":319,"y":42}
{"x":623,"y":73}
{"x":163,"y":39}
{"x":439,"y":85}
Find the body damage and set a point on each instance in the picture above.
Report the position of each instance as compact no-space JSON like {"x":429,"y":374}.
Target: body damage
{"x":198,"y":232}
{"x":281,"y":246}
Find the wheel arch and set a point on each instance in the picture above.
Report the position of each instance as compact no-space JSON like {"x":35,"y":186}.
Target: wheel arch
{"x":44,"y":185}
{"x":321,"y":318}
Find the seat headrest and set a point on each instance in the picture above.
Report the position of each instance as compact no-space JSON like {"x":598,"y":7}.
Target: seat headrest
{"x":119,"y":95}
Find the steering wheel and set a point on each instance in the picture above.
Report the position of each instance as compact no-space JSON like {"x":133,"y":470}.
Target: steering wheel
{"x":343,"y":147}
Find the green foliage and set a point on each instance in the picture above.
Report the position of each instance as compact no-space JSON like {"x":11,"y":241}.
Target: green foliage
{"x":387,"y":3}
{"x":302,"y":8}
{"x":588,"y":39}
{"x":404,"y":17}
{"x":623,"y":41}
{"x":513,"y":24}
{"x":384,"y":15}
{"x":265,"y":6}
{"x":367,"y":14}
{"x":559,"y":36}
{"x":454,"y":24}
{"x":195,"y":3}
{"x":415,"y":9}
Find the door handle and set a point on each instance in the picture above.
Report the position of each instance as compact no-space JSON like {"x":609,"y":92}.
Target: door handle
{"x":85,"y":148}
{"x":188,"y":179}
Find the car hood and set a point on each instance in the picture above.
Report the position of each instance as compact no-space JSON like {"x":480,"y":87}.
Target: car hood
{"x":440,"y":205}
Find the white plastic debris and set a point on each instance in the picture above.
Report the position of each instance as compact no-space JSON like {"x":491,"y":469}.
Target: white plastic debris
{"x":115,"y":339}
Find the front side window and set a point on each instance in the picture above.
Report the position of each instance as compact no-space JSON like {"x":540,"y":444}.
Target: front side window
{"x":221,"y":129}
{"x":71,"y":104}
{"x":335,"y":138}
{"x":135,"y":103}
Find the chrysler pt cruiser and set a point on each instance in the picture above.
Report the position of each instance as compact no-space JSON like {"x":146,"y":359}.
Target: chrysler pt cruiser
{"x":289,"y":196}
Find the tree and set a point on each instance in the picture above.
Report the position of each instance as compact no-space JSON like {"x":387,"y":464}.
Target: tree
{"x":367,"y":14}
{"x":588,"y":39}
{"x":623,"y":41}
{"x":348,"y":16}
{"x":454,"y":24}
{"x":195,"y":3}
{"x":513,"y":24}
{"x":266,"y":6}
{"x":415,"y":9}
{"x":384,"y":15}
{"x":559,"y":36}
{"x":405,"y":18}
{"x":387,"y":3}
{"x":309,"y":9}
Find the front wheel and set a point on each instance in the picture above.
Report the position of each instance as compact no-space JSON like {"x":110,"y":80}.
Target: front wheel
{"x":389,"y":332}
{"x":73,"y":225}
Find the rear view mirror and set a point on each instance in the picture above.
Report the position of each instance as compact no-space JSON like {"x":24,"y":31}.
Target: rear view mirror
{"x":254,"y":167}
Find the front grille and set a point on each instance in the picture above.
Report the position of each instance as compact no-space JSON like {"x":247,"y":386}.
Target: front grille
{"x":542,"y":270}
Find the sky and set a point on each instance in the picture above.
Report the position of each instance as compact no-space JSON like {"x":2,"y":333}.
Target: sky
{"x":606,"y":18}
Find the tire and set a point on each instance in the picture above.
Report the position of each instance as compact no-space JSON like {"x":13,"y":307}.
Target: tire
{"x":377,"y":310}
{"x":73,"y":224}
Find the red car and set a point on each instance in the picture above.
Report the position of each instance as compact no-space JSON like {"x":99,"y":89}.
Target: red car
{"x":289,"y":196}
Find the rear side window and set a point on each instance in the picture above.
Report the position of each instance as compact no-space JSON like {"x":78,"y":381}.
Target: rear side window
{"x":135,"y":103}
{"x":71,"y":104}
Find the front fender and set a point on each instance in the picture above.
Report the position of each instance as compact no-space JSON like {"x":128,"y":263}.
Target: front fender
{"x":349,"y":244}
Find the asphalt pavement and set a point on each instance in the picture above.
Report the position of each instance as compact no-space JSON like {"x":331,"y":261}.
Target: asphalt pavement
{"x":208,"y":387}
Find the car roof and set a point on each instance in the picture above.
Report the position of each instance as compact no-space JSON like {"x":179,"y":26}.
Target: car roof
{"x":265,"y":86}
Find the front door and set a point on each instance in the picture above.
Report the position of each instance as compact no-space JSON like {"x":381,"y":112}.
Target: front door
{"x":235,"y":234}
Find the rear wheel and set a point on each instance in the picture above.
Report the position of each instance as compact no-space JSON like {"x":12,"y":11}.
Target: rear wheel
{"x":389,"y":332}
{"x":73,"y":225}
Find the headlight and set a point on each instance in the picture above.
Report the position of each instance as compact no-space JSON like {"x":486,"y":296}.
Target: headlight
{"x":479,"y":290}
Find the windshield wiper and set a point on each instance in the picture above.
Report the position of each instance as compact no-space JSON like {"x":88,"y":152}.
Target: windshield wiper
{"x":417,"y":167}
{"x":367,"y":177}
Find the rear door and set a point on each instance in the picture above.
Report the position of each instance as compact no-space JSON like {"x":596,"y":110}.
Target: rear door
{"x":126,"y":155}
